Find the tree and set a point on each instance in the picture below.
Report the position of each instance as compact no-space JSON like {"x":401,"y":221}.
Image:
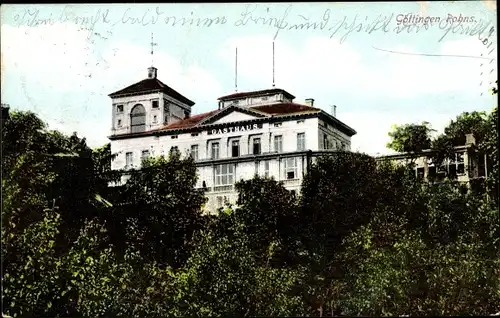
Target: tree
{"x":268,"y":211}
{"x":223,"y":278}
{"x":410,"y":138}
{"x":339,"y":193}
{"x":160,"y":209}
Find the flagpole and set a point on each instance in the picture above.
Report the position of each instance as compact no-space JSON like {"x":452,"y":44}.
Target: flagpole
{"x":236,"y":71}
{"x":273,"y":67}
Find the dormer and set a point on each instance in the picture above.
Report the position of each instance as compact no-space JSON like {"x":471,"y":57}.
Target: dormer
{"x":256,"y":98}
{"x":147,"y":105}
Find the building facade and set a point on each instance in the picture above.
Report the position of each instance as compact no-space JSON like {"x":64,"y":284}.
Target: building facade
{"x":468,"y":164}
{"x":260,"y":132}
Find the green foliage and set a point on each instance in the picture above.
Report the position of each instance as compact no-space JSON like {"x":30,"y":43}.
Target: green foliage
{"x":267,"y":211}
{"x":223,"y":278}
{"x":161,"y":210}
{"x":412,"y":138}
{"x":338,"y":195}
{"x":363,"y":238}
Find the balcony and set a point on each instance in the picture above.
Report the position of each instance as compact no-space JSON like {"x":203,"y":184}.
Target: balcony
{"x":219,"y":189}
{"x":291,"y":182}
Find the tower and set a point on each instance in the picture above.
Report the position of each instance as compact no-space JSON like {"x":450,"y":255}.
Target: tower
{"x":147,"y":105}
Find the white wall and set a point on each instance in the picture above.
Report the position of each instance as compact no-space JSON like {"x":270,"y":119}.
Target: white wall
{"x":244,"y":170}
{"x":334,"y":136}
{"x":176,"y":111}
{"x":257,"y":101}
{"x":128,"y":103}
{"x":162,"y":144}
{"x":234,"y":117}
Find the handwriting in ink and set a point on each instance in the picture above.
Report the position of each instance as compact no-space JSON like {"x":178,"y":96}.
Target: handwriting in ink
{"x":31,"y":18}
{"x":153,"y":17}
{"x":248,"y":16}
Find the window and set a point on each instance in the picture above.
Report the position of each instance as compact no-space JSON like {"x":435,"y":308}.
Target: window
{"x":301,"y":141}
{"x":129,"y":160}
{"x":215,"y":150}
{"x":174,"y":149}
{"x":194,"y":134}
{"x":144,"y":155}
{"x":460,"y":163}
{"x":138,"y":119}
{"x":325,"y":141}
{"x":155,"y":119}
{"x":224,"y":174}
{"x":290,"y":168}
{"x":220,"y":201}
{"x":235,"y":148}
{"x":194,"y":152}
{"x":342,"y":146}
{"x":257,"y":167}
{"x":431,"y":170}
{"x":278,"y":143}
{"x":278,"y":124}
{"x":266,"y":168}
{"x":256,"y":146}
{"x":156,"y":104}
{"x":293,"y":193}
{"x":174,"y":137}
{"x":481,"y":166}
{"x":119,"y":108}
{"x":300,"y":121}
{"x":119,"y":123}
{"x":420,"y":173}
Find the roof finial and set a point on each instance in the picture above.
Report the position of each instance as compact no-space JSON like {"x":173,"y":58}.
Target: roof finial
{"x":152,"y":45}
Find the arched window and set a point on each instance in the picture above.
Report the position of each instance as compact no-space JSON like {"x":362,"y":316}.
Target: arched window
{"x":138,"y":119}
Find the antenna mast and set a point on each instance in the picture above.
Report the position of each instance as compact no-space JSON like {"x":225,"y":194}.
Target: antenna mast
{"x":236,"y":71}
{"x":273,"y":67}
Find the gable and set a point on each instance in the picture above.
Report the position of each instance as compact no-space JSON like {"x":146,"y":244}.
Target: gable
{"x":234,"y":117}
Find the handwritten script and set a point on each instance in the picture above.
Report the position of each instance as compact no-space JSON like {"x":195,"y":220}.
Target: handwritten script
{"x":284,"y":20}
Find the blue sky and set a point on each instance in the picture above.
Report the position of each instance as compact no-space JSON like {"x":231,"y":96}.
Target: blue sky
{"x":61,"y":61}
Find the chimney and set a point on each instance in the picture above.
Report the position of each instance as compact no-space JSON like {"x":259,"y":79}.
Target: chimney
{"x":334,"y":110}
{"x":310,"y":102}
{"x":152,"y":72}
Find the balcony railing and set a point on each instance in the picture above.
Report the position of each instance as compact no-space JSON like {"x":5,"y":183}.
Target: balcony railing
{"x":223,"y":188}
{"x":291,"y":182}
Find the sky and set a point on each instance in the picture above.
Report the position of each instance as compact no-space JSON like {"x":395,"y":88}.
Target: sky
{"x":379,"y":69}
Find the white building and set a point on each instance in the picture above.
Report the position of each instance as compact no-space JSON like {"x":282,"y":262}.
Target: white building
{"x":260,"y":132}
{"x":469,"y":163}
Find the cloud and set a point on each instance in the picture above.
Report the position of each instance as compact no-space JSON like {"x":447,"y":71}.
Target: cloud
{"x":324,"y":68}
{"x":372,"y":128}
{"x":56,"y":56}
{"x":56,"y":71}
{"x":329,"y":64}
{"x":65,"y":77}
{"x":325,"y":63}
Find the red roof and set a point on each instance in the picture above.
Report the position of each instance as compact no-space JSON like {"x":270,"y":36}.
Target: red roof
{"x":272,"y":109}
{"x":272,"y":91}
{"x":152,"y":84}
{"x":188,"y":122}
{"x":285,"y":108}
